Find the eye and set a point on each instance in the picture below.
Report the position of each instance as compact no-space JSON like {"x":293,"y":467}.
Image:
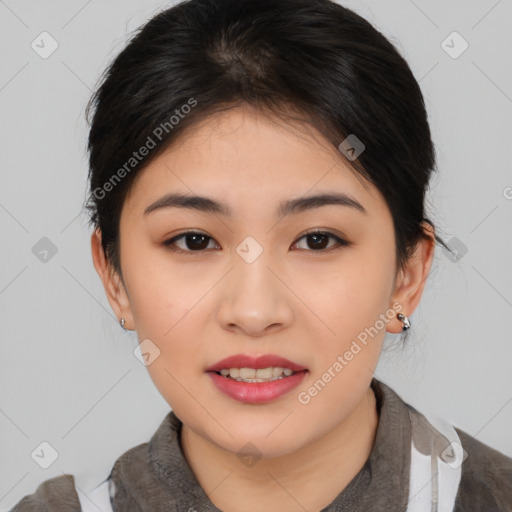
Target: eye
{"x":319,"y":240}
{"x":193,"y":241}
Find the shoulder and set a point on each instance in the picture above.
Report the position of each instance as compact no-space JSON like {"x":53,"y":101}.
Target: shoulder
{"x":55,"y":494}
{"x":61,"y":494}
{"x":486,"y":479}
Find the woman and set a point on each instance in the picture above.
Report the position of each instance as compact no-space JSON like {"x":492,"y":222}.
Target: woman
{"x":257,"y":180}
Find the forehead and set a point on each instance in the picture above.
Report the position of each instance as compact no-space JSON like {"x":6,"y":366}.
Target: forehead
{"x":242,"y":155}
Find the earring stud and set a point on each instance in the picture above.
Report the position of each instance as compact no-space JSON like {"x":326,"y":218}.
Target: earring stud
{"x":405,"y":321}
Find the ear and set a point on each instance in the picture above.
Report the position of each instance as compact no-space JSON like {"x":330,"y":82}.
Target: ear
{"x":112,"y":282}
{"x":410,"y":281}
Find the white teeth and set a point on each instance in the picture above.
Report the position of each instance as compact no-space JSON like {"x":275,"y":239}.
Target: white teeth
{"x":263,"y":373}
{"x":259,"y":375}
{"x":276,"y":372}
{"x":247,"y":373}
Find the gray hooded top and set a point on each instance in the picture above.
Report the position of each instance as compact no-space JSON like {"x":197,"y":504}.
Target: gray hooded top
{"x":155,"y":476}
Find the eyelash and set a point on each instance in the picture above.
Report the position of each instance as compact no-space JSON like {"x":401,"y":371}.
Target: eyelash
{"x":340,"y":241}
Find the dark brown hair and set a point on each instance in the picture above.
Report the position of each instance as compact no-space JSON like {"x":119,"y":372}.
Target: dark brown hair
{"x":315,"y":58}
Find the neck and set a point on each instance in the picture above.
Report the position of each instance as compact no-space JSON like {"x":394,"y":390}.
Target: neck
{"x":308,"y":479}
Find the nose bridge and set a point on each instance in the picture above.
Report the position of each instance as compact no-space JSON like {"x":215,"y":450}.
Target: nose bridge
{"x":251,"y":271}
{"x":253,"y":297}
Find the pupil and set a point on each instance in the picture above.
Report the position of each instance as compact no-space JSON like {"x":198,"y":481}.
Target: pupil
{"x":316,"y":237}
{"x":195,"y":237}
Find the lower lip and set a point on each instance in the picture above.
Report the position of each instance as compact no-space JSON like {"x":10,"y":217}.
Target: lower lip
{"x":256,"y":392}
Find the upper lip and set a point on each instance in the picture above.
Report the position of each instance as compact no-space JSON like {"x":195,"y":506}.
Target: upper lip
{"x":246,"y":361}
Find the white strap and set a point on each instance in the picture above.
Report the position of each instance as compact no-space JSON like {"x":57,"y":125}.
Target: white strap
{"x":96,"y":500}
{"x":436,"y":477}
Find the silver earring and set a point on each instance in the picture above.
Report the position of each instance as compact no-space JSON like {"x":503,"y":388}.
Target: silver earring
{"x":405,"y":321}
{"x":122,"y":322}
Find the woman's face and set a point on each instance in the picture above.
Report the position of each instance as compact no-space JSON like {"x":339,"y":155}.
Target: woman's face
{"x":255,"y":284}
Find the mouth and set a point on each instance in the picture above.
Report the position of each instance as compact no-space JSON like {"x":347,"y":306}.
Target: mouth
{"x":256,"y":379}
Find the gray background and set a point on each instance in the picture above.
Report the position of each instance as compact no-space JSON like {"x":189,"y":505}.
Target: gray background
{"x":68,"y":372}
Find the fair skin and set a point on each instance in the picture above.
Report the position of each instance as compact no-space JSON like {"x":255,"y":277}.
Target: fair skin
{"x":298,"y":302}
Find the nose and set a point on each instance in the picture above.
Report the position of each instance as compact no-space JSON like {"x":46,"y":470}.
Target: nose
{"x":255,"y":298}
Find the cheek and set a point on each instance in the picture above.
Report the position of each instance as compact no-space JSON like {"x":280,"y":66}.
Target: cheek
{"x":352,"y":305}
{"x":166,"y":305}
{"x":349,"y":295}
{"x":162,"y":294}
{"x":169,"y":320}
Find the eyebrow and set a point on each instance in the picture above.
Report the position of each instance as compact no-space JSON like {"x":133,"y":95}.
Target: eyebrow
{"x":287,"y":207}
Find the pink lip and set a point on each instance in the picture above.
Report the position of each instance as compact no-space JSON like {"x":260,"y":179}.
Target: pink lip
{"x":245,"y":361}
{"x":256,"y":392}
